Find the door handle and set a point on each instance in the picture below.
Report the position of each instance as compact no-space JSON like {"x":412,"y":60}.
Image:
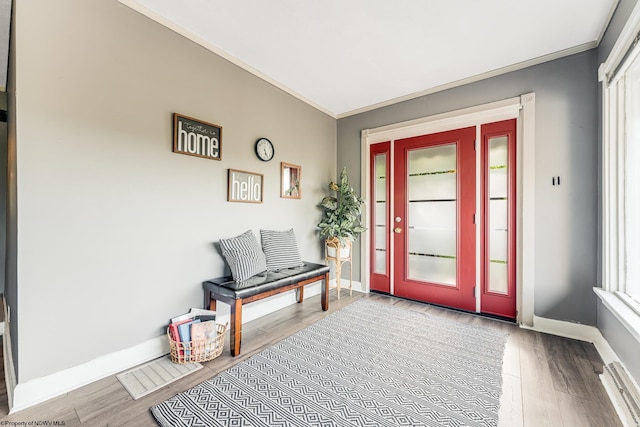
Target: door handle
{"x":397,"y":230}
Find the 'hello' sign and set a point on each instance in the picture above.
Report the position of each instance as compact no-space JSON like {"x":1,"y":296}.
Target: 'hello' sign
{"x":244,"y":187}
{"x":196,"y":138}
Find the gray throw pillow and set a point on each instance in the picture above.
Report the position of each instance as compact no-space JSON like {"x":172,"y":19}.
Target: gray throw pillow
{"x":281,"y":249}
{"x":244,"y":256}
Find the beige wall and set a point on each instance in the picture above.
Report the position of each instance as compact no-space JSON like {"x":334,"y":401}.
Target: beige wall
{"x":116,"y":232}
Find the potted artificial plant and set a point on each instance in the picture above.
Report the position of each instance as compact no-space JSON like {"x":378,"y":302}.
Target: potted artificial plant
{"x":340,"y":223}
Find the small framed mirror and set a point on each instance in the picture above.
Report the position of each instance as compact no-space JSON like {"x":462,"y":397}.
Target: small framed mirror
{"x":290,"y":183}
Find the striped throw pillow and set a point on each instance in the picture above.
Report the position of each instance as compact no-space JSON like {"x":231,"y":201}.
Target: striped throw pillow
{"x":281,"y":249}
{"x":244,"y":256}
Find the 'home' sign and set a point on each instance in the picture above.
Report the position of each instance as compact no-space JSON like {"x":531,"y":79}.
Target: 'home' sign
{"x":196,"y":138}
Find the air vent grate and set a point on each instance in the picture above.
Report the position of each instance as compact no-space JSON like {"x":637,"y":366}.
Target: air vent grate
{"x":623,"y":392}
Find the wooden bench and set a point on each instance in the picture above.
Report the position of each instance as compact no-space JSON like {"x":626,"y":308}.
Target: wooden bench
{"x":237,"y":294}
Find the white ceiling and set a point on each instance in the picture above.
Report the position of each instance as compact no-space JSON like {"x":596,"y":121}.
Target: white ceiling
{"x":346,"y":56}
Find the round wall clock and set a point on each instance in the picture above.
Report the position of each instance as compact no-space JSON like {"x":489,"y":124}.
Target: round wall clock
{"x":264,"y":149}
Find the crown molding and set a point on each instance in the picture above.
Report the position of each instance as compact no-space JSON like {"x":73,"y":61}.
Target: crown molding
{"x":520,"y":65}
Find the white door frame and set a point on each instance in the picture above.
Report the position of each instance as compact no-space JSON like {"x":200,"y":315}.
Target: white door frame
{"x":521,"y":108}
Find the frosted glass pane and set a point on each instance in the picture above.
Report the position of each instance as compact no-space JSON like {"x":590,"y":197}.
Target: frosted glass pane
{"x":432,"y":242}
{"x":432,"y":269}
{"x":498,"y":246}
{"x":381,"y":241}
{"x":498,"y":278}
{"x":432,"y":159}
{"x":380,"y":262}
{"x":381,"y":214}
{"x":498,"y":151}
{"x":432,"y":187}
{"x":498,"y":160}
{"x":432,"y":224}
{"x":498,"y":182}
{"x":381,"y":190}
{"x":432,"y":215}
{"x":432,"y":173}
{"x":380,"y":166}
{"x":498,"y":214}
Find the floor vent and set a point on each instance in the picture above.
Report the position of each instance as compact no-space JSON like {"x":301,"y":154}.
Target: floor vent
{"x":623,"y":392}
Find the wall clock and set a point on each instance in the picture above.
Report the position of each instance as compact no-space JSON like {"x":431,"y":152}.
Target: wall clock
{"x":264,"y":149}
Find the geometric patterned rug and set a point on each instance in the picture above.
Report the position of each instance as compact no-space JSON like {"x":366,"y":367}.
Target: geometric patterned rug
{"x":368,"y":364}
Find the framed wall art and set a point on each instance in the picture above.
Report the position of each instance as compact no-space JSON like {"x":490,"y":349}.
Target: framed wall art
{"x":196,"y":138}
{"x":290,"y":177}
{"x":243,"y":186}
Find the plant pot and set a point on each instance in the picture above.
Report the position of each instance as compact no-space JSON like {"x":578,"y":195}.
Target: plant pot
{"x":334,"y":247}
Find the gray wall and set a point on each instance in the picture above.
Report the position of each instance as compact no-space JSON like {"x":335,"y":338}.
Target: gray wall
{"x":115,"y":231}
{"x":565,"y":216}
{"x":3,"y":186}
{"x":11,"y":248}
{"x":625,"y":345}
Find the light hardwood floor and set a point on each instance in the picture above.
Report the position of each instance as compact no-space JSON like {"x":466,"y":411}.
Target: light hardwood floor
{"x":548,"y":381}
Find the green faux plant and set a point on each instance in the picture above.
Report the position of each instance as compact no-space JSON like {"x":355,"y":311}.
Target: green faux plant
{"x":342,"y":211}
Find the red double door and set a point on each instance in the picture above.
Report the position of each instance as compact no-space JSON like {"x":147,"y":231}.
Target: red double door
{"x":443,"y":231}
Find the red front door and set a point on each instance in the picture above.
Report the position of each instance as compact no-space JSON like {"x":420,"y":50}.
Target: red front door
{"x":433,"y":218}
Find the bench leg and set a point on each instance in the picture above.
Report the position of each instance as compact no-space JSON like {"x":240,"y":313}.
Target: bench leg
{"x":325,"y":293}
{"x":207,"y":299}
{"x":300,"y":294}
{"x":236,"y":327}
{"x":212,"y":304}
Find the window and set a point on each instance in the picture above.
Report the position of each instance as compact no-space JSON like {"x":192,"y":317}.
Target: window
{"x":620,"y":76}
{"x":632,"y":178}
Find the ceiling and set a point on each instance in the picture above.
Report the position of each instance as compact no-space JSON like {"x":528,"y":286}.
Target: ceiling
{"x":349,"y":56}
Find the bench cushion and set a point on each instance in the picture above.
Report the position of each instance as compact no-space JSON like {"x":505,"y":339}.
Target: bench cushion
{"x":264,"y":282}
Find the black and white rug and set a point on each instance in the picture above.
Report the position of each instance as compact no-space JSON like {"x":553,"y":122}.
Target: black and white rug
{"x":369,"y":364}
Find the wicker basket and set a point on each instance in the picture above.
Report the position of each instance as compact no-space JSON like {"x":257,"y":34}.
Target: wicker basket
{"x":198,"y":351}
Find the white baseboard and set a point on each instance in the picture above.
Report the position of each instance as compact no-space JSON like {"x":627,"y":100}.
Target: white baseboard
{"x":344,"y":284}
{"x":604,"y":349}
{"x":44,"y":388}
{"x":561,"y":328}
{"x":9,"y":368}
{"x":578,"y":332}
{"x":41,"y":389}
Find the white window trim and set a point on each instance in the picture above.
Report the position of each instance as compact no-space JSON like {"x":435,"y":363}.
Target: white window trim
{"x":624,"y":308}
{"x":522,"y":108}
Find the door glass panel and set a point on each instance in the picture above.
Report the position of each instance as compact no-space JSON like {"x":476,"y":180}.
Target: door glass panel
{"x":380,"y":261}
{"x":498,"y":213}
{"x":432,"y":198}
